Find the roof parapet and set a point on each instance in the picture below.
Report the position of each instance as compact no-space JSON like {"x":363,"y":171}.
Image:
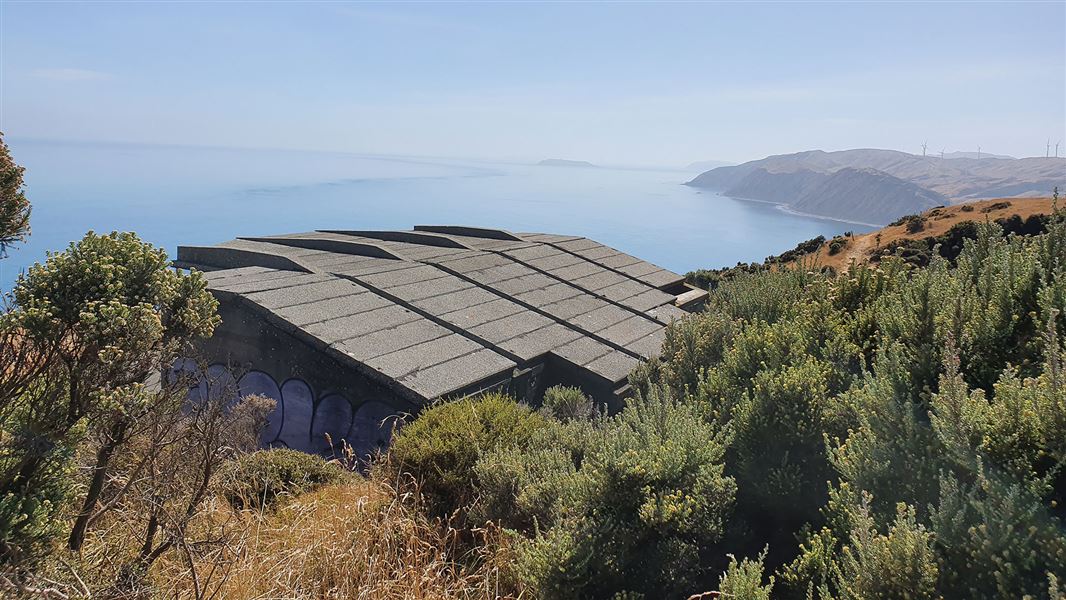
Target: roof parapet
{"x":229,"y":258}
{"x":327,"y":244}
{"x":479,"y":232}
{"x":424,"y":238}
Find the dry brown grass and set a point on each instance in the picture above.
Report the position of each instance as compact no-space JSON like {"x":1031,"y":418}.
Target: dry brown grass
{"x":361,"y":540}
{"x":938,"y":221}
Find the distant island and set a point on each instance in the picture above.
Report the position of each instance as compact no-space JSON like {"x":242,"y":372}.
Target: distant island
{"x":559,"y":162}
{"x":878,"y":186}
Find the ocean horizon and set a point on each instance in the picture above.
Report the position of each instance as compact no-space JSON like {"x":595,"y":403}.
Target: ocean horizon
{"x":184,"y":195}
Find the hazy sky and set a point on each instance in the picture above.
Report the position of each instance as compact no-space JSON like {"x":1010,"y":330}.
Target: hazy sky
{"x":613,"y":83}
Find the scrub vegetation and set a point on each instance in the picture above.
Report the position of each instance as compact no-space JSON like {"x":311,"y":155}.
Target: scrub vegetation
{"x":894,"y":431}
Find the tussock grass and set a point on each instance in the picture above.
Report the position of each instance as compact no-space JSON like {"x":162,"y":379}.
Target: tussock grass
{"x":359,"y":540}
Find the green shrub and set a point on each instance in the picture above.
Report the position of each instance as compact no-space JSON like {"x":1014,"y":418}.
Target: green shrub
{"x":693,"y":344}
{"x":898,"y":564}
{"x":567,"y":404}
{"x":525,"y":488}
{"x":440,"y":449}
{"x":802,"y":249}
{"x":648,"y":501}
{"x":257,"y":479}
{"x":778,"y":452}
{"x":744,"y":579}
{"x":29,"y":521}
{"x":767,"y":296}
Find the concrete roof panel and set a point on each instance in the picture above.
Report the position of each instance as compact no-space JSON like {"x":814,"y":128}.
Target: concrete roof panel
{"x":649,"y":345}
{"x":582,"y":351}
{"x":324,"y":310}
{"x":500,"y":273}
{"x":478,"y":262}
{"x":616,"y":261}
{"x":453,"y":375}
{"x":571,"y":307}
{"x":404,"y":362}
{"x":473,"y":316}
{"x":369,"y":267}
{"x":240,"y":272}
{"x":600,"y":280}
{"x":667,"y":313}
{"x":662,"y":278}
{"x":509,"y":327}
{"x":346,"y":328}
{"x":259,"y":285}
{"x":627,"y":289}
{"x":548,"y":295}
{"x":547,"y":238}
{"x":649,"y":299}
{"x":525,"y":283}
{"x":384,"y":341}
{"x":614,"y":366}
{"x":630,"y":330}
{"x":303,"y":294}
{"x":576,"y":271}
{"x":532,"y":251}
{"x":601,"y":318}
{"x":395,"y":278}
{"x":639,"y":269}
{"x":537,"y":342}
{"x":557,"y":261}
{"x":578,"y":244}
{"x":446,"y":303}
{"x":597,"y":252}
{"x":425,"y":289}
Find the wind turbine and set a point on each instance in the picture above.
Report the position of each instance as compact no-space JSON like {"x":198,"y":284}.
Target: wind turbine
{"x":1047,"y":154}
{"x":1057,"y":148}
{"x":979,"y":153}
{"x":925,"y":145}
{"x":941,"y":154}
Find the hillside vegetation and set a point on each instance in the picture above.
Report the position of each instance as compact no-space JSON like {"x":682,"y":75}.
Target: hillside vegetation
{"x":896,"y":431}
{"x":878,"y":186}
{"x":945,"y":225}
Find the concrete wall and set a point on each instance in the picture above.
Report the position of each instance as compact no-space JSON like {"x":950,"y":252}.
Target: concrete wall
{"x":316,"y":394}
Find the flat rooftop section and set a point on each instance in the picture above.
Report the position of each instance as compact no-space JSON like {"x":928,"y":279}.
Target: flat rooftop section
{"x":443,"y":310}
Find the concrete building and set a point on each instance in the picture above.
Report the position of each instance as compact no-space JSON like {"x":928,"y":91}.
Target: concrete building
{"x":347,"y":329}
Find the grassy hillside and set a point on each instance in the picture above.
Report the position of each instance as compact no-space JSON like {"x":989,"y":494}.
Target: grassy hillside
{"x":933,"y":223}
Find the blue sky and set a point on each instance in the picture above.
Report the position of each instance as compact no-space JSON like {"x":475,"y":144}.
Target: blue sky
{"x":613,"y":83}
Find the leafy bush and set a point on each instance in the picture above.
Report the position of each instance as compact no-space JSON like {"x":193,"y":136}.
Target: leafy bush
{"x":837,"y":244}
{"x":898,"y":564}
{"x":14,"y":207}
{"x":649,"y":498}
{"x":744,"y":579}
{"x":567,"y":404}
{"x":527,"y":488}
{"x":257,"y":479}
{"x":802,"y":249}
{"x":440,"y":449}
{"x":996,"y":206}
{"x":709,"y":279}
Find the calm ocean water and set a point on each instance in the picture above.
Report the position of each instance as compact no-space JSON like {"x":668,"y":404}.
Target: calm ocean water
{"x":184,"y":195}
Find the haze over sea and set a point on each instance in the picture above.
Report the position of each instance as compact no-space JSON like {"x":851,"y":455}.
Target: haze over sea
{"x":173,"y":195}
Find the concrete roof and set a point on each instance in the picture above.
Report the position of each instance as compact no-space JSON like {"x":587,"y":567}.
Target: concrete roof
{"x":438,"y":309}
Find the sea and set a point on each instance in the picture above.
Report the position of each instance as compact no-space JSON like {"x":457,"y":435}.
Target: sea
{"x":185,"y":195}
